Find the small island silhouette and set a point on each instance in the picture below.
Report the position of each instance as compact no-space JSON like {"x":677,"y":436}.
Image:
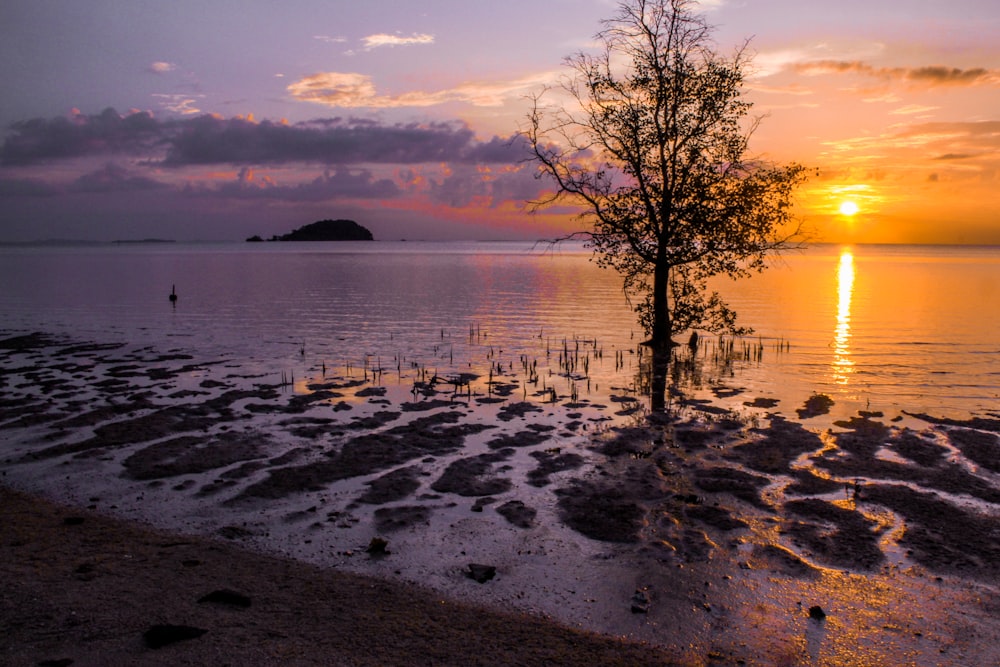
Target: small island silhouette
{"x":324,"y":230}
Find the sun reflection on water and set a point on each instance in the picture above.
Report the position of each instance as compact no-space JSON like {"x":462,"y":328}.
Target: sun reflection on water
{"x":843,"y":366}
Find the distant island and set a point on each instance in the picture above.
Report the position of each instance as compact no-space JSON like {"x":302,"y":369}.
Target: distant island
{"x":324,"y":230}
{"x":127,"y":241}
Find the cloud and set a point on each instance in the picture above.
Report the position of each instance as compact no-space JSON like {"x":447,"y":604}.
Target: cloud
{"x":359,"y":160}
{"x":468,"y":185}
{"x":161,"y":67}
{"x":381,"y":39}
{"x":975,"y":144}
{"x":330,"y":40}
{"x":936,"y":75}
{"x":41,"y":139}
{"x":210,"y":140}
{"x":912,"y":109}
{"x":114,"y":178}
{"x":181,"y":104}
{"x":207,"y":140}
{"x":340,"y":183}
{"x":352,"y":90}
{"x":954,"y":156}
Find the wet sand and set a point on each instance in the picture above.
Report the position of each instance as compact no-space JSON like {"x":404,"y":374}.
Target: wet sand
{"x":83,"y":589}
{"x":758,"y":535}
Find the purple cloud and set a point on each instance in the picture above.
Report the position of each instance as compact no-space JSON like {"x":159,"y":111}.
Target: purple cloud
{"x":41,"y":140}
{"x":207,"y":140}
{"x":114,"y":178}
{"x":342,"y":183}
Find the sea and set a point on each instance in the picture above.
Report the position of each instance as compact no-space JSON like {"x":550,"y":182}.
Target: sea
{"x":897,"y":329}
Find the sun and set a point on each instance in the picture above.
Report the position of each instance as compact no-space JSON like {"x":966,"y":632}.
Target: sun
{"x":848,"y":208}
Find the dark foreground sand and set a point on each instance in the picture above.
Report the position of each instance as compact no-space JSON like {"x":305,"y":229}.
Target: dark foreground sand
{"x":82,"y":589}
{"x":727,"y":533}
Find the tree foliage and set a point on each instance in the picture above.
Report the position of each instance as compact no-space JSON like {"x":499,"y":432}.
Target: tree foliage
{"x":653,"y":143}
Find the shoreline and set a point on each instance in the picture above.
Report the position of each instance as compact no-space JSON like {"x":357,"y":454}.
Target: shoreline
{"x":83,"y":587}
{"x":709,"y":536}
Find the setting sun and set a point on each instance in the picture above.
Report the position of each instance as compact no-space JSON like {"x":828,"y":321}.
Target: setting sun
{"x":848,"y":208}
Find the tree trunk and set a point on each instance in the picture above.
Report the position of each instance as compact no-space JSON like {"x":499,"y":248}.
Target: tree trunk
{"x":661,"y":303}
{"x":660,"y":343}
{"x":659,"y":369}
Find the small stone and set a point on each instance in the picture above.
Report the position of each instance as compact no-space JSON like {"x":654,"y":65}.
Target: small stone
{"x":481,"y":573}
{"x":640,"y":602}
{"x":816,"y":613}
{"x":159,"y":636}
{"x":378,"y":547}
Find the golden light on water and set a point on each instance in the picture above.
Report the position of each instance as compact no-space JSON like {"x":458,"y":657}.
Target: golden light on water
{"x":843,"y":366}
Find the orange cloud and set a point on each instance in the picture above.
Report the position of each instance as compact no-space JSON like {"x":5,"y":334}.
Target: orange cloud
{"x":935,"y":75}
{"x":381,"y":39}
{"x":352,"y":90}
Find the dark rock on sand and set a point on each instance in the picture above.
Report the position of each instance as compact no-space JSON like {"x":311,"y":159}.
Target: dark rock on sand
{"x":816,"y":613}
{"x":760,"y":402}
{"x":840,"y":536}
{"x":917,"y":449}
{"x":738,"y":483}
{"x":716,"y":517}
{"x":551,"y":462}
{"x":392,"y":486}
{"x":426,"y":406}
{"x":527,"y":438}
{"x":481,"y":502}
{"x":940,"y":535}
{"x":159,"y":636}
{"x":600,"y":512}
{"x":481,"y":573}
{"x":517,"y":513}
{"x":474,"y":476}
{"x":640,"y":602}
{"x":783,"y":442}
{"x":807,"y":484}
{"x":815,"y":405}
{"x":377,"y":420}
{"x":628,"y":441}
{"x":865,"y":436}
{"x":434,"y":434}
{"x":980,"y":423}
{"x":391,"y":519}
{"x":378,"y":547}
{"x":509,"y":412}
{"x":983,"y":449}
{"x":192,"y":454}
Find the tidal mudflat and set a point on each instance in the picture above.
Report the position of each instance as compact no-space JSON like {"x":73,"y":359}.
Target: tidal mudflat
{"x":759,"y":536}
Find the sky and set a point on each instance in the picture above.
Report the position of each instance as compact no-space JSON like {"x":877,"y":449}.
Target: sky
{"x":218,"y":119}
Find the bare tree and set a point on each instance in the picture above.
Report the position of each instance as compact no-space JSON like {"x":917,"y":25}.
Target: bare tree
{"x":653,"y":143}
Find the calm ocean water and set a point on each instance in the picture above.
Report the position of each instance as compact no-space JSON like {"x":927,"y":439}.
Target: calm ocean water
{"x":875,"y":327}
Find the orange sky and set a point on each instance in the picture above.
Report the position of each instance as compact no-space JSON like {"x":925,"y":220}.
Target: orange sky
{"x":399,"y":118}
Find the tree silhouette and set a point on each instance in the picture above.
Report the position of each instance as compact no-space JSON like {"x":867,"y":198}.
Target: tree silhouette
{"x":653,"y":142}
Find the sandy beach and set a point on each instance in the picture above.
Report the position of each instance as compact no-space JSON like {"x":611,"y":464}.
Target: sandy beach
{"x":436,"y":521}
